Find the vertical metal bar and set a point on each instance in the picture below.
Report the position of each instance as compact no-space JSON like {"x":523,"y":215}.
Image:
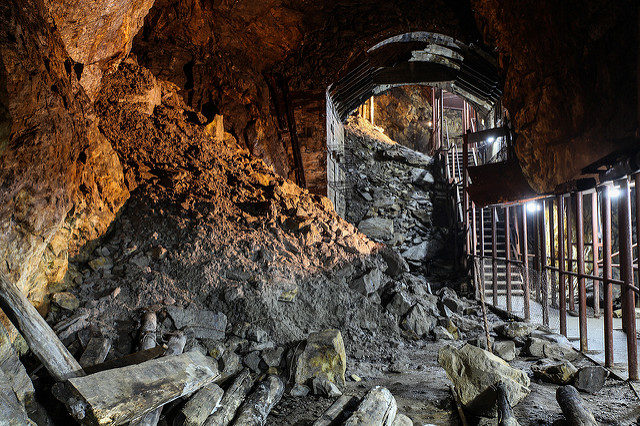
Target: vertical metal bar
{"x":544,"y":284}
{"x":507,"y":243}
{"x":626,"y":275}
{"x":582,"y":292}
{"x":569,"y":254}
{"x":465,"y":195}
{"x":594,"y":251}
{"x":561,"y":266}
{"x":606,"y":274}
{"x":552,"y":256}
{"x":525,"y":259}
{"x":474,"y":248}
{"x":482,"y":254}
{"x":536,"y":253}
{"x":494,"y":255}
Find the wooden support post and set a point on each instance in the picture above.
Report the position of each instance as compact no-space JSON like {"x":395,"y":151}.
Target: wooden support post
{"x":494,"y":254}
{"x":39,"y":336}
{"x":372,"y":110}
{"x":331,"y":414}
{"x":507,"y":242}
{"x":573,"y":407}
{"x":594,"y":253}
{"x":552,"y":256}
{"x":96,"y":351}
{"x":561,"y":266}
{"x":378,"y":407}
{"x":544,"y":283}
{"x":606,"y":274}
{"x":258,"y":405}
{"x":582,"y":292}
{"x":231,"y":400}
{"x":626,"y":275}
{"x":569,"y":254}
{"x":525,"y":259}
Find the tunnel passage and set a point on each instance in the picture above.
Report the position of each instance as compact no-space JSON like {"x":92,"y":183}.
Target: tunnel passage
{"x":424,"y":58}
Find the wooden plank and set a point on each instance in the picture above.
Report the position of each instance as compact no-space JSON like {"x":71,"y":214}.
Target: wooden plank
{"x":39,"y":336}
{"x":96,"y":351}
{"x":332,"y":413}
{"x":573,"y":407}
{"x":231,"y":400}
{"x":258,"y":405}
{"x":120,"y":395}
{"x":196,"y":411}
{"x":127,"y":360}
{"x":378,"y":407}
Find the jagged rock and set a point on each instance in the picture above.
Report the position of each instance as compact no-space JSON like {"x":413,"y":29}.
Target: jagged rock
{"x":591,"y":378}
{"x":400,"y":304}
{"x":323,"y":387}
{"x":541,"y":348}
{"x":512,"y":330}
{"x":100,"y":263}
{"x":481,"y":342}
{"x":202,"y":324}
{"x":441,"y":333}
{"x":418,"y":321}
{"x":15,"y":372}
{"x":323,"y":356}
{"x":396,"y":265}
{"x":557,"y":372}
{"x":417,"y":253}
{"x":367,"y":283}
{"x":377,"y":228}
{"x":66,"y":300}
{"x":252,"y":361}
{"x":273,"y":357}
{"x":505,"y":349}
{"x":421,"y":177}
{"x":474,"y":372}
{"x":299,"y":390}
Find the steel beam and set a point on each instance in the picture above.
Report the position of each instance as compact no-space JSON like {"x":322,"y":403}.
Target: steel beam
{"x":494,"y":254}
{"x":561,"y":267}
{"x":525,"y":260}
{"x":594,"y":253}
{"x":606,"y":274}
{"x":582,"y":292}
{"x":507,"y":242}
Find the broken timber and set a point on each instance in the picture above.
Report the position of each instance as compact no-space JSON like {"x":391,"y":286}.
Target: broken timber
{"x":123,"y":394}
{"x":332,"y":413}
{"x":39,"y":336}
{"x":258,"y":405}
{"x":231,"y":400}
{"x":95,"y":352}
{"x":378,"y":407}
{"x":573,"y":407}
{"x":505,"y":413}
{"x":200,"y":406}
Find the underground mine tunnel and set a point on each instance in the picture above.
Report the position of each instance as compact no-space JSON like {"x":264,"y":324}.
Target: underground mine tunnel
{"x":340,"y":212}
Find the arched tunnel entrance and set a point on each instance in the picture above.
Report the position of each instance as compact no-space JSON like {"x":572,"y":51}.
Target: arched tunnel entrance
{"x":423,"y":58}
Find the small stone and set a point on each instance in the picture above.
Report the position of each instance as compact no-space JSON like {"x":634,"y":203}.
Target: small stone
{"x":257,"y":335}
{"x":367,"y":283}
{"x":273,"y":357}
{"x":505,"y":349}
{"x":158,"y":252}
{"x":100,"y":263}
{"x":417,"y":253}
{"x":323,"y":387}
{"x":299,"y":390}
{"x":377,"y":228}
{"x":355,"y":378}
{"x":441,"y":333}
{"x":252,"y":361}
{"x":402,"y":420}
{"x":418,"y":321}
{"x":66,"y":300}
{"x":591,"y":378}
{"x":557,"y":372}
{"x":399,"y":304}
{"x":396,"y":265}
{"x":512,"y":330}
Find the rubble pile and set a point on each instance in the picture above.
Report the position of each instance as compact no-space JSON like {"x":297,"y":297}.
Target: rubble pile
{"x":396,"y":198}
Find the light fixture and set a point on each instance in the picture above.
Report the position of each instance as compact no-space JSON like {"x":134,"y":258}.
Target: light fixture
{"x":533,"y":207}
{"x":429,"y":123}
{"x":490,"y":139}
{"x":614,"y":192}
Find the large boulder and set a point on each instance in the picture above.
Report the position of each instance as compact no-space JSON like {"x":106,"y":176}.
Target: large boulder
{"x":367,"y":283}
{"x":323,"y":356}
{"x":377,"y":228}
{"x":542,"y":348}
{"x":557,"y":372}
{"x":514,"y":330}
{"x":419,"y":321}
{"x":474,"y":371}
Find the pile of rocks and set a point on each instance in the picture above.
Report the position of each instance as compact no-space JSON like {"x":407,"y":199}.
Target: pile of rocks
{"x":394,"y":190}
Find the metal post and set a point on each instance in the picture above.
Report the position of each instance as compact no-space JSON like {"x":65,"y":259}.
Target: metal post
{"x":594,"y":251}
{"x":465,"y":195}
{"x":525,"y":259}
{"x":536,"y":254}
{"x":626,"y":275}
{"x":507,"y":242}
{"x":482,"y":248}
{"x":494,"y":255}
{"x":606,"y":274}
{"x":582,"y":292}
{"x":552,"y":256}
{"x":474,"y":245}
{"x":544,"y":285}
{"x":561,"y":266}
{"x":569,"y":254}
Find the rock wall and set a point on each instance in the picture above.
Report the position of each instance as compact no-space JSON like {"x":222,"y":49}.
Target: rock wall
{"x":571,"y":79}
{"x":404,"y":113}
{"x":61,"y":182}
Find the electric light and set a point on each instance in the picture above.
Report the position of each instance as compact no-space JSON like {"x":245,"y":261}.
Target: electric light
{"x":533,"y":207}
{"x":490,"y":139}
{"x":614,"y":192}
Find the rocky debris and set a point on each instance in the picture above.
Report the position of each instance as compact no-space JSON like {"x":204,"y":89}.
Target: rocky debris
{"x":542,"y":348}
{"x":474,"y":371}
{"x":368,"y":283}
{"x":65,"y":300}
{"x":202,"y":324}
{"x":299,"y":390}
{"x":590,"y":379}
{"x":418,"y":321}
{"x":515,"y":329}
{"x":378,"y":407}
{"x":396,"y":265}
{"x":323,"y":387}
{"x":377,"y":228}
{"x":505,"y":349}
{"x":557,"y":372}
{"x":399,"y":304}
{"x":441,"y":333}
{"x":323,"y":356}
